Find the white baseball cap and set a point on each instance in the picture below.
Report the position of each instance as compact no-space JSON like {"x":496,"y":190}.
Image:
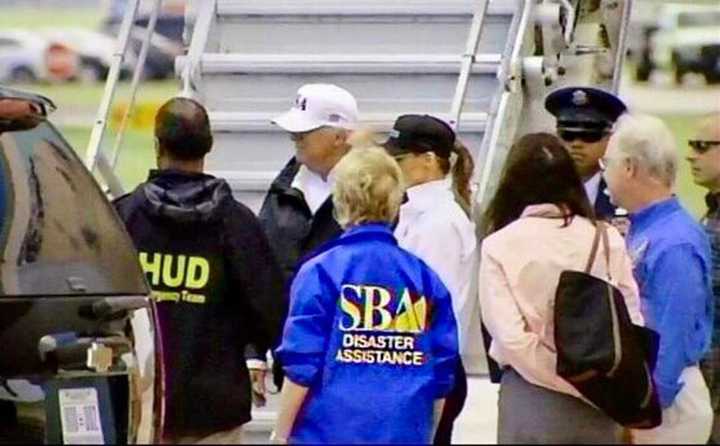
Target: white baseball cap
{"x":318,"y":105}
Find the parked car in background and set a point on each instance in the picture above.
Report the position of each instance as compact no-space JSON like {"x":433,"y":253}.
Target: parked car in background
{"x":675,"y":43}
{"x":94,"y":49}
{"x":22,"y":56}
{"x":27,"y":56}
{"x":166,"y":43}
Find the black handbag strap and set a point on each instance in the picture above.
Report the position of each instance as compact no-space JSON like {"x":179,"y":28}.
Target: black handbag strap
{"x":600,"y":232}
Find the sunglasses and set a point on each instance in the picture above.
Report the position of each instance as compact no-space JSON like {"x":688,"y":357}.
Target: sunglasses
{"x":702,"y":146}
{"x":588,"y":136}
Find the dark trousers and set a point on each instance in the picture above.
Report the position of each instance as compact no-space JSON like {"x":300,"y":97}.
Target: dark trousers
{"x":453,"y":406}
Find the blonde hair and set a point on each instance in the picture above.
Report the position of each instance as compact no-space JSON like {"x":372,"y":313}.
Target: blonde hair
{"x":368,"y":187}
{"x":648,"y":141}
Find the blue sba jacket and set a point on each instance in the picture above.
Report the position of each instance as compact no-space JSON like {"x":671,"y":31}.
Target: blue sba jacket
{"x":371,"y":332}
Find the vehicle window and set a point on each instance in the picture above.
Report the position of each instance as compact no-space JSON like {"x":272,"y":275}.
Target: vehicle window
{"x":58,"y":233}
{"x":707,"y":18}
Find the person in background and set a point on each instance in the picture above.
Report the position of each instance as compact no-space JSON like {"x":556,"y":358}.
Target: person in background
{"x":704,"y":159}
{"x":213,"y":275}
{"x":585,"y":118}
{"x":434,"y":225}
{"x":673,"y":269}
{"x":370,"y":344}
{"x":540,"y":223}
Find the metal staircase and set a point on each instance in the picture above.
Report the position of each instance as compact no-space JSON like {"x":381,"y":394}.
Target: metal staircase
{"x":395,"y":56}
{"x":482,"y":65}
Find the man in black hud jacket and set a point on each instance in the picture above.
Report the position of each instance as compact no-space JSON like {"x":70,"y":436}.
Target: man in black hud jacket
{"x":213,"y":276}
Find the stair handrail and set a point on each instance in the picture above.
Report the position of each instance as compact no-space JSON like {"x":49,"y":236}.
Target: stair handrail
{"x":621,"y":45}
{"x":137,"y":76}
{"x":113,"y":76}
{"x":511,"y":76}
{"x":468,"y":59}
{"x":94,"y":157}
{"x":200,"y":34}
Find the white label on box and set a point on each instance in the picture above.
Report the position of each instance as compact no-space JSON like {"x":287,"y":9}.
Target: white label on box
{"x":80,"y":416}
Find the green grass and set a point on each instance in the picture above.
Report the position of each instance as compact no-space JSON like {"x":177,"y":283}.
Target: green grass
{"x":71,"y":96}
{"x":80,"y":102}
{"x":33,"y":18}
{"x":135,"y":159}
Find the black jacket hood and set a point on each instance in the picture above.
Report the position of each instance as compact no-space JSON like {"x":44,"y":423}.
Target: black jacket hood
{"x":184,"y":197}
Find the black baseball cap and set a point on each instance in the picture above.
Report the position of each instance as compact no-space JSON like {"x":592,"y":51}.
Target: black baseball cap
{"x":420,"y":134}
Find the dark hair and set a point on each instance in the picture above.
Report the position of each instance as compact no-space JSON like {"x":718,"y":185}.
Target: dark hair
{"x":461,"y":173}
{"x":182,"y":128}
{"x":538,"y":170}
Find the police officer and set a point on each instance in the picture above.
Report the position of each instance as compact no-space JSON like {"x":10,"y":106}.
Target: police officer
{"x":585,"y":118}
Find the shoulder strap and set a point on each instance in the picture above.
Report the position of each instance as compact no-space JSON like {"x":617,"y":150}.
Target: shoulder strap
{"x":606,"y":247}
{"x":593,"y":252}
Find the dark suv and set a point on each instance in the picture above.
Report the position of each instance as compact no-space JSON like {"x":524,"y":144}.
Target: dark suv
{"x":74,"y":306}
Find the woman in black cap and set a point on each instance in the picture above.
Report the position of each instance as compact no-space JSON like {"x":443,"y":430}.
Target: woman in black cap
{"x":434,"y":224}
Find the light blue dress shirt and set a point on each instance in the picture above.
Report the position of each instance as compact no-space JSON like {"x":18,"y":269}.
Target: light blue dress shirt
{"x":672,"y":266}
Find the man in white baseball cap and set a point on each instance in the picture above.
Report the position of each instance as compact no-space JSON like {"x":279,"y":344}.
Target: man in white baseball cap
{"x":319,"y":123}
{"x":297,"y":213}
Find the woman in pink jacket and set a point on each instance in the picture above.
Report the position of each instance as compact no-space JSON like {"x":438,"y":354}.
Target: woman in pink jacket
{"x":540,"y":223}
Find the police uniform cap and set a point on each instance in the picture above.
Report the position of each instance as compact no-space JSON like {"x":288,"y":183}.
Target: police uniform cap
{"x":584,"y":108}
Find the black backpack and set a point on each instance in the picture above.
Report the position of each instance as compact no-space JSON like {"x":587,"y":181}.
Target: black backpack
{"x":607,"y":358}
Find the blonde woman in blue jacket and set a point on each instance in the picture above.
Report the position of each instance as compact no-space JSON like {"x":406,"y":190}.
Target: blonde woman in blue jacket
{"x":370,"y":345}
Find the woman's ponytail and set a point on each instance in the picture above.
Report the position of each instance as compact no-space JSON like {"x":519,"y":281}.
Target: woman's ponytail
{"x":462,"y":172}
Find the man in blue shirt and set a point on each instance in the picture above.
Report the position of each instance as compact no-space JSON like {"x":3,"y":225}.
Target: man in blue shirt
{"x":672,"y":266}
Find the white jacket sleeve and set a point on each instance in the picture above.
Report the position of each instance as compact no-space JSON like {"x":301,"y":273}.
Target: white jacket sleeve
{"x":513,"y":344}
{"x":440,"y":245}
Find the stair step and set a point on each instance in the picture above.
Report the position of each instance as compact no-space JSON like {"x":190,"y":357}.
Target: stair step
{"x":381,"y":83}
{"x":360,"y":7}
{"x":218,"y":63}
{"x":380,"y":122}
{"x":387,"y":27}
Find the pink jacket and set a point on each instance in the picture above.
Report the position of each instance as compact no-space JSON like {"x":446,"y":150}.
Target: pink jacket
{"x":520,"y":267}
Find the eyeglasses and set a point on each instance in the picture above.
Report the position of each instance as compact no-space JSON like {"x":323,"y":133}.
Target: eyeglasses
{"x":702,"y":146}
{"x":588,"y":136}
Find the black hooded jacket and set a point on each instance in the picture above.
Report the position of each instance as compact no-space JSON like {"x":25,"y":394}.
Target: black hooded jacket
{"x":217,"y":288}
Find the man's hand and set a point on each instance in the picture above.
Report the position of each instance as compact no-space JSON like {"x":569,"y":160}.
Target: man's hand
{"x":257,"y":383}
{"x":19,"y":114}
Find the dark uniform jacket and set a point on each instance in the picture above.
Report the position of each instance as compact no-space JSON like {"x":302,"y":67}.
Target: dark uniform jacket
{"x":217,"y":288}
{"x":292,"y":229}
{"x":604,"y":209}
